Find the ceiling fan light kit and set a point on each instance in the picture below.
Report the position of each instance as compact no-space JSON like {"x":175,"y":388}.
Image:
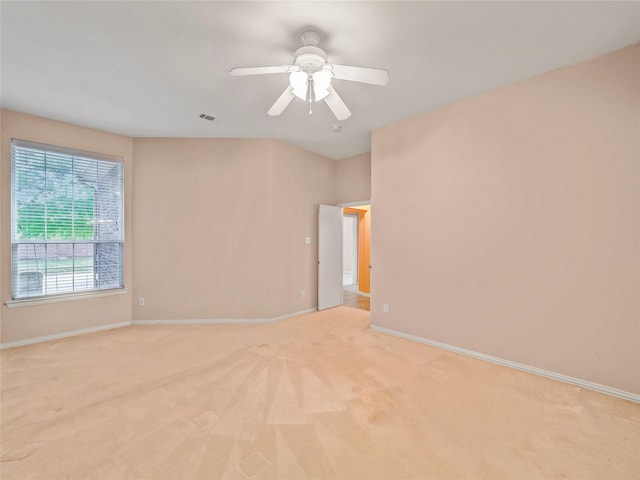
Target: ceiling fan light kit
{"x":310,"y":78}
{"x":310,"y":87}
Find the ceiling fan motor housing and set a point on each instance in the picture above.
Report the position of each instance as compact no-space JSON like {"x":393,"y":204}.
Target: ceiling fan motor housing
{"x":310,"y":59}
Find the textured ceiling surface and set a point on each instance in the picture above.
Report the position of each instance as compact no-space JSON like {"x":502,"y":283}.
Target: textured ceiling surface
{"x":149,"y":69}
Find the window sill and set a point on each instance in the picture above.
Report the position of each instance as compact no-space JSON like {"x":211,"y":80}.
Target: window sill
{"x":27,"y":302}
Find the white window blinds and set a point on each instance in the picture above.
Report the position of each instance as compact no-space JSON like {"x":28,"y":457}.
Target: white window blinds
{"x":67,"y":221}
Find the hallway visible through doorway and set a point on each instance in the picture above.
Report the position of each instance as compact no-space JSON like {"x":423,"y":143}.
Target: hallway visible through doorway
{"x":356,"y":256}
{"x":350,"y":249}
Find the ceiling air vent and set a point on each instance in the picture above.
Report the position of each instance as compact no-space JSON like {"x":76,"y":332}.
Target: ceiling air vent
{"x":207,"y":117}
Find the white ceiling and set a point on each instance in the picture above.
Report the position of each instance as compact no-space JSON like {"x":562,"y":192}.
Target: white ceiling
{"x":149,"y":69}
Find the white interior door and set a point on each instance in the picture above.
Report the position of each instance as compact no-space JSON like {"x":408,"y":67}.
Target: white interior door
{"x":329,"y":256}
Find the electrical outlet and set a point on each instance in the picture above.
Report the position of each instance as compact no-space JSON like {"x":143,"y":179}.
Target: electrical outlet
{"x":385,"y":307}
{"x":303,"y":294}
{"x":141,"y":302}
{"x":307,"y":240}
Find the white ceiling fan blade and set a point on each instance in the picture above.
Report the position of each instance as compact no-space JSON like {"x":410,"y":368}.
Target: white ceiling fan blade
{"x":336,"y":104}
{"x":240,"y":71}
{"x":282,"y":102}
{"x":373,"y":76}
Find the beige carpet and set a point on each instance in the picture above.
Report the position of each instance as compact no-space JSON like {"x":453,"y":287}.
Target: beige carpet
{"x":319,"y":396}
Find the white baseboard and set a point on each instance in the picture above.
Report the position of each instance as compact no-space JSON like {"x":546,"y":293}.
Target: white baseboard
{"x":212,"y":321}
{"x":296,"y":314}
{"x":56,"y":336}
{"x":204,"y":321}
{"x":222,"y":321}
{"x":518,"y":366}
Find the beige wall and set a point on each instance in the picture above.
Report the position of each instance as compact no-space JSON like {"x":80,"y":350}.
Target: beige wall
{"x":525,"y":239}
{"x":219,"y":227}
{"x":354,"y":178}
{"x":301,"y":181}
{"x":40,"y":320}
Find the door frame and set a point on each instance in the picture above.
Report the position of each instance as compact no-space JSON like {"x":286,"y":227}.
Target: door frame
{"x":355,"y":204}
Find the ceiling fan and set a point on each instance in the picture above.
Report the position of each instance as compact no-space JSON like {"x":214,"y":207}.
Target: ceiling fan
{"x":310,"y":78}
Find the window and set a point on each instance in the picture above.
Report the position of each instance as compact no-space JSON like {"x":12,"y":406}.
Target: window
{"x":67,"y":232}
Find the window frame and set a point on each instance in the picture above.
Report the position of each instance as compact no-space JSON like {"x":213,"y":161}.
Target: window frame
{"x":119,"y":243}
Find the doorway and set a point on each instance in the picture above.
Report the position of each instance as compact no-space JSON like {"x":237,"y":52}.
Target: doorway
{"x":332,"y":276}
